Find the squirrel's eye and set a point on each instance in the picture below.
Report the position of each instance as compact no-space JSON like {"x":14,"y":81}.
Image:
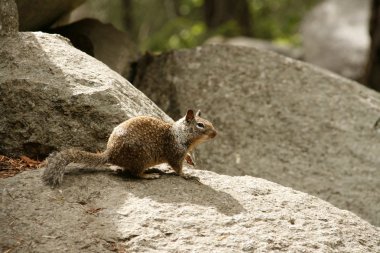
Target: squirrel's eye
{"x":200,"y":125}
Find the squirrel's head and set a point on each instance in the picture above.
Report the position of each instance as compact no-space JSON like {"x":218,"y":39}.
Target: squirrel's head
{"x":196,"y":129}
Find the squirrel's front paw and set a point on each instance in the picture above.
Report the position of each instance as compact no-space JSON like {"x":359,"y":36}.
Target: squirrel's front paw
{"x":190,"y":177}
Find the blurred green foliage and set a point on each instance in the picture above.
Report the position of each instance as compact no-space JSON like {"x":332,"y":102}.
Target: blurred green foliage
{"x":171,"y":24}
{"x":279,"y":20}
{"x":168,"y":24}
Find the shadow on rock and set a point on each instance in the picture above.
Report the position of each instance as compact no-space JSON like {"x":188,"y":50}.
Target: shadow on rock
{"x":168,"y":189}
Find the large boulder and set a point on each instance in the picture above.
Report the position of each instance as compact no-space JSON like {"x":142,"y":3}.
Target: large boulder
{"x":39,"y":14}
{"x":277,"y":118}
{"x":103,"y":10}
{"x":101,"y":212}
{"x":102,"y":41}
{"x":293,"y":52}
{"x":8,"y":18}
{"x":335,"y":36}
{"x":54,"y":96}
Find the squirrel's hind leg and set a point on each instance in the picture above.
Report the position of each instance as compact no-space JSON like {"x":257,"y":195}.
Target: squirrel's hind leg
{"x":140,"y":173}
{"x":149,"y":175}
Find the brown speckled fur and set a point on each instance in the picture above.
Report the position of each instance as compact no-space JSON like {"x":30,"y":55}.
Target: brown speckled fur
{"x":138,"y":144}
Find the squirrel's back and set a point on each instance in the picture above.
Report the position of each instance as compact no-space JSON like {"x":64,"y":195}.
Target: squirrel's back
{"x":139,"y":140}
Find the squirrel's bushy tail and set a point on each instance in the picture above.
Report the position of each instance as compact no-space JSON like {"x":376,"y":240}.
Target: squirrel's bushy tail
{"x":57,"y":162}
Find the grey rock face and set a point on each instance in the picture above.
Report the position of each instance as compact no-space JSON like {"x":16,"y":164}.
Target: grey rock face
{"x":278,"y":119}
{"x":336,"y":36}
{"x":101,"y":212}
{"x":292,"y":52}
{"x":38,"y":14}
{"x":54,"y":96}
{"x":8,"y":17}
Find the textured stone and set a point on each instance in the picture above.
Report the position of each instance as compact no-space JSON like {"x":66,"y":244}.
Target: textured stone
{"x":278,"y":119}
{"x":335,"y":36}
{"x":54,"y":96}
{"x":8,"y":17}
{"x":295,"y":53}
{"x":101,"y":212}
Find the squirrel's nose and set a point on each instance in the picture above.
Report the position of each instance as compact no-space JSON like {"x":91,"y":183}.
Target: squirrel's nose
{"x":213,"y":134}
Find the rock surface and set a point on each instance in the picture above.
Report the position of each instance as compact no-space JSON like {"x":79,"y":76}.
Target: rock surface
{"x":335,"y":36}
{"x":102,"y":10}
{"x":102,"y":41}
{"x":277,"y":118}
{"x":8,"y":17}
{"x":54,"y":96}
{"x":295,"y":53}
{"x":39,"y":14}
{"x":101,"y":212}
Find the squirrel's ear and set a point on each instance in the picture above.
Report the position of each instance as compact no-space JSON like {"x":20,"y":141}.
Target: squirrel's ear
{"x":189,"y":115}
{"x":198,"y":114}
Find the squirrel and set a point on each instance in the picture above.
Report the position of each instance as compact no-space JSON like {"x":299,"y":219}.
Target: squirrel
{"x":137,"y":144}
